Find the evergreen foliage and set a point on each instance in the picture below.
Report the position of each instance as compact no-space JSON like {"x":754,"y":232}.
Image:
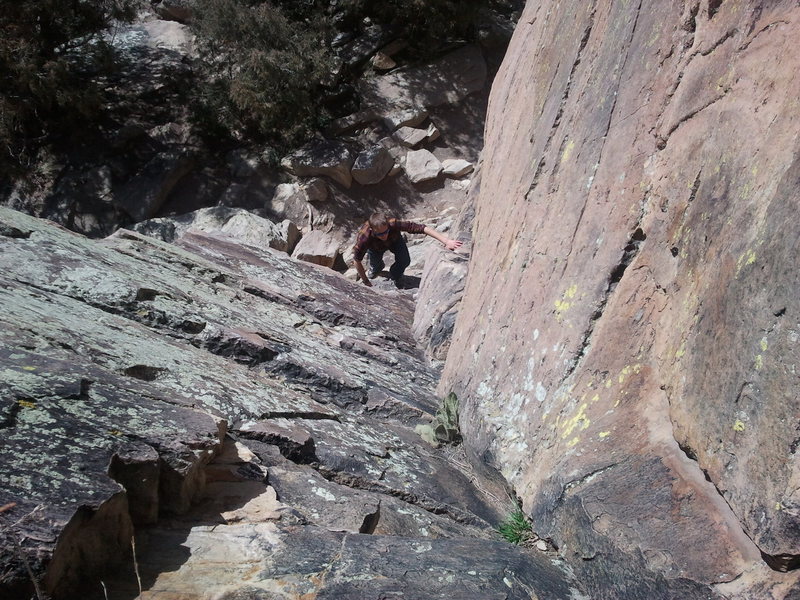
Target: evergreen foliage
{"x":262,"y":68}
{"x":516,"y":528}
{"x":49,"y":51}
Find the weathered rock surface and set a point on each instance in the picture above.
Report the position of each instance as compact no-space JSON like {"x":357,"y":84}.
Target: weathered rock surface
{"x":456,"y":167}
{"x":627,"y":347}
{"x":250,"y":229}
{"x":329,"y":158}
{"x":317,"y":247}
{"x":421,"y":165}
{"x":397,"y":98}
{"x":126,"y":361}
{"x":372,"y":165}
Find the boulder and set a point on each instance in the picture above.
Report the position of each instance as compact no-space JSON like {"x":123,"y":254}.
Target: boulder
{"x":372,"y":165}
{"x":404,"y":117}
{"x":410,"y":136}
{"x":328,"y":158}
{"x":316,"y":190}
{"x":318,"y":248}
{"x":422,"y":165}
{"x":250,"y":229}
{"x":432,"y":133}
{"x":175,"y":10}
{"x":382,"y":62}
{"x":169,"y":229}
{"x":456,"y":167}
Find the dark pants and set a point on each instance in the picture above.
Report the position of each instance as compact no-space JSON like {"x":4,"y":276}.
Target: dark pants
{"x":401,"y":259}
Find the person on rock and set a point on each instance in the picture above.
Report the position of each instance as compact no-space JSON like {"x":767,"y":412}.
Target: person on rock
{"x":381,"y":233}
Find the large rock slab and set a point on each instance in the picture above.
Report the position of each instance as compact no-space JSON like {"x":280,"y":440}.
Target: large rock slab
{"x":626,"y":346}
{"x":126,"y":362}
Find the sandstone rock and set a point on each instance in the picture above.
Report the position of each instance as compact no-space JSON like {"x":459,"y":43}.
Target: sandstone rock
{"x":410,"y":136}
{"x":432,"y":133}
{"x":318,"y":248}
{"x":456,"y":167}
{"x":316,"y":190}
{"x":422,"y":165}
{"x":404,"y":117}
{"x":328,"y":158}
{"x":383,"y":62}
{"x":372,"y":165}
{"x":622,"y":350}
{"x":250,"y":229}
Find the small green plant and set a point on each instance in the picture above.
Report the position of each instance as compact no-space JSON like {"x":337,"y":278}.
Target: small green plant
{"x":516,"y":528}
{"x":444,"y":428}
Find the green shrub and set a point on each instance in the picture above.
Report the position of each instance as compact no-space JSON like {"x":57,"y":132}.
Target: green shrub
{"x":444,"y":428}
{"x":516,"y":528}
{"x":49,"y":52}
{"x":261,"y":69}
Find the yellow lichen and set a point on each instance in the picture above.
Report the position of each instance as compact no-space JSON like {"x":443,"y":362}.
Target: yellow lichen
{"x":759,"y":362}
{"x":563,"y":305}
{"x":573,"y":441}
{"x":579,"y":419}
{"x":28,"y":368}
{"x":747,"y":258}
{"x":26,"y":403}
{"x":681,"y":351}
{"x":763,"y":344}
{"x":603,"y":434}
{"x":567,"y":152}
{"x":738,"y":425}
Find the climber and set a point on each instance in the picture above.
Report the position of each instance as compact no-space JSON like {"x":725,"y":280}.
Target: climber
{"x":381,"y":233}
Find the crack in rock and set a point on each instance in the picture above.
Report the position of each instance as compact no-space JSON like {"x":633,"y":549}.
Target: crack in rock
{"x":428,"y":504}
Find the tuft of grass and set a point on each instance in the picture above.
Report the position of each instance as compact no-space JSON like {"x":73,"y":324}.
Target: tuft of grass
{"x":516,"y":528}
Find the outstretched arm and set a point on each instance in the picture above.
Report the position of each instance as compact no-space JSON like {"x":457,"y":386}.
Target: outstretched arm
{"x":450,"y":244}
{"x":362,"y":273}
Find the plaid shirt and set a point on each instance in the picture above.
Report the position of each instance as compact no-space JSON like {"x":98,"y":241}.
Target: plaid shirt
{"x":365,"y":241}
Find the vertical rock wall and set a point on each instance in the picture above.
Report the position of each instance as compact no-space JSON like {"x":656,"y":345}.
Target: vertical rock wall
{"x":626,"y":353}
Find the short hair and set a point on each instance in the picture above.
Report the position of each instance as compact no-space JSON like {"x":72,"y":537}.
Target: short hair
{"x":378,"y":221}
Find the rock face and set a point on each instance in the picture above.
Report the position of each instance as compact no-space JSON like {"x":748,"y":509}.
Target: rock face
{"x":628,"y":343}
{"x":248,"y":418}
